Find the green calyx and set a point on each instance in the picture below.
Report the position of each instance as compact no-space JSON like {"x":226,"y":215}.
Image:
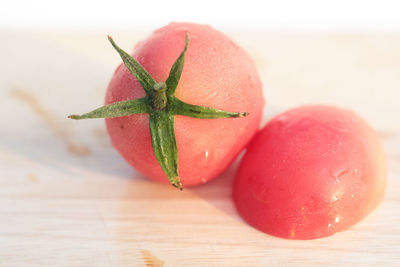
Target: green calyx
{"x":159,"y":98}
{"x":161,"y":105}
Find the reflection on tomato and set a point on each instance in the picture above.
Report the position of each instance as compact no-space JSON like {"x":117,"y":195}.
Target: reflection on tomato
{"x":311,"y":172}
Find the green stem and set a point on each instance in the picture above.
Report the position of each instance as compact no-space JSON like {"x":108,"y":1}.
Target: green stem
{"x":117,"y":109}
{"x":162,"y":105}
{"x":179,"y":107}
{"x":164,"y":144}
{"x":159,"y":97}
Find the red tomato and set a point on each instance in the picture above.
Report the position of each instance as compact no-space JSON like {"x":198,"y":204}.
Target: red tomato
{"x":311,"y":172}
{"x":218,"y":74}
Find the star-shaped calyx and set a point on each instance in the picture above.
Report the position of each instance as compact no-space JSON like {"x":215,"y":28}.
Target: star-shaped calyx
{"x":161,"y":105}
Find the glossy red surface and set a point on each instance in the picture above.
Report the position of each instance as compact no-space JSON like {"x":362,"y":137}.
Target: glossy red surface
{"x":311,"y":172}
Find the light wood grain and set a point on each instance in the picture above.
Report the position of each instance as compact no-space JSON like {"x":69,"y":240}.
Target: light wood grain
{"x":68,"y":199}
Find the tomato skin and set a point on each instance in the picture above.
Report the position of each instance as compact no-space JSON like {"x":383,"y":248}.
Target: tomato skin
{"x":217,"y":74}
{"x":310,"y":172}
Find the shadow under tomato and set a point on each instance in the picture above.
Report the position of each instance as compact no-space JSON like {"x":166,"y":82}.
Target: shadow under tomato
{"x":218,"y":192}
{"x":156,"y":217}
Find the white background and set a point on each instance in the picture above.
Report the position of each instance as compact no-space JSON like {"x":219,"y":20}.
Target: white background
{"x":356,"y":15}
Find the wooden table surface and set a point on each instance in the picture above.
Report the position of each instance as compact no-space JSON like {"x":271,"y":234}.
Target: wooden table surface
{"x":68,"y":199}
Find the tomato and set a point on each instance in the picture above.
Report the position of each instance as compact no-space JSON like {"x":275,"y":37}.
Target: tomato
{"x":311,"y":172}
{"x":218,"y":74}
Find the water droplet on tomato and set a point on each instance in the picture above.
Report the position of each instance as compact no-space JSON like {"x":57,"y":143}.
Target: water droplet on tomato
{"x":336,"y":196}
{"x":206,"y":157}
